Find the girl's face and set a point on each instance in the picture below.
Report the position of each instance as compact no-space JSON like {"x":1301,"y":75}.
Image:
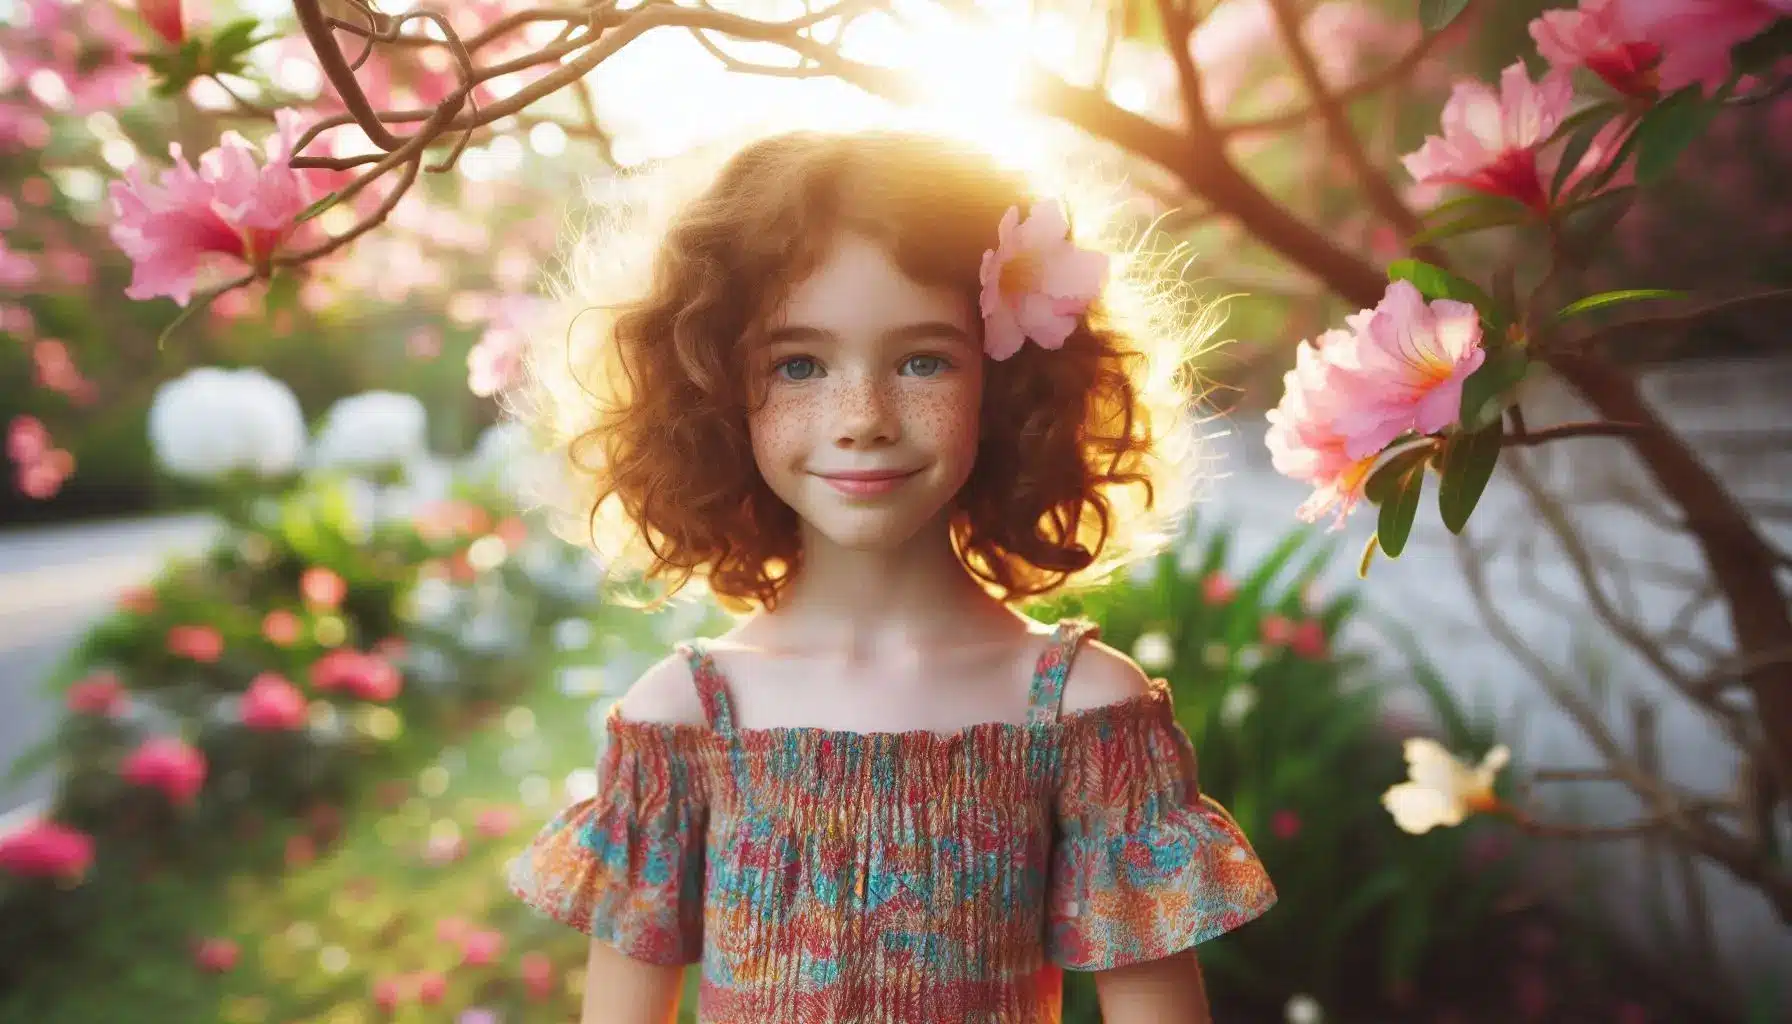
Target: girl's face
{"x":872,"y":386}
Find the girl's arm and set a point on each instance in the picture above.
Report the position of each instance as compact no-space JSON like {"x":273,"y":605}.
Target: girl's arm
{"x":622,"y":990}
{"x":1170,"y":989}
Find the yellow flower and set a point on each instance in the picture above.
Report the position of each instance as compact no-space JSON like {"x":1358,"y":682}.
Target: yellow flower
{"x":1440,"y":789}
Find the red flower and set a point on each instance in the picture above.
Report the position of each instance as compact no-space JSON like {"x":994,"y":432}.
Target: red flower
{"x":138,"y":600}
{"x":168,"y":764}
{"x":1285,"y":824}
{"x":481,"y":948}
{"x":272,"y":704}
{"x":198,"y":643}
{"x":388,"y":993}
{"x":1277,"y":630}
{"x":1218,"y":588}
{"x":44,"y":849}
{"x":430,"y":987}
{"x":538,"y":976}
{"x":163,"y":18}
{"x":98,"y":694}
{"x":282,"y":628}
{"x":322,"y":588}
{"x":216,"y":955}
{"x":366,"y":676}
{"x":1309,"y":639}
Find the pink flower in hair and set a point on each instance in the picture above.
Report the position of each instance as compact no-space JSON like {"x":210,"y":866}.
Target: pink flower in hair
{"x":1036,"y":282}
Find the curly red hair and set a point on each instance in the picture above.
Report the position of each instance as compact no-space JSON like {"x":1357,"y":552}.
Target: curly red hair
{"x":1071,"y":461}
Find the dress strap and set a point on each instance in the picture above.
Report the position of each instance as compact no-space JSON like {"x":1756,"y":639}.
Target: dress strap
{"x":712,"y":689}
{"x":1047,"y":693}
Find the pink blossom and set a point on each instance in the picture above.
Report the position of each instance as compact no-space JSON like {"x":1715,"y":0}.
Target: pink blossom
{"x":85,"y":46}
{"x":26,"y":439}
{"x":1604,"y":147}
{"x":366,"y":676}
{"x":431,"y":986}
{"x":42,"y":479}
{"x":44,"y":849}
{"x":496,"y":362}
{"x":495,"y":821}
{"x":1696,"y":36}
{"x":17,"y":270}
{"x":1308,"y":640}
{"x":1490,"y":139}
{"x":271,"y":704}
{"x":1595,"y":38}
{"x":1276,"y":630}
{"x":538,"y":975}
{"x":163,"y":18}
{"x":1402,"y":367}
{"x":281,"y":628}
{"x":98,"y":694}
{"x":481,"y":948}
{"x":388,"y":993}
{"x":215,"y":955}
{"x":451,"y":929}
{"x":230,"y":215}
{"x":1036,"y":282}
{"x":168,"y":764}
{"x":1218,"y":588}
{"x":1304,"y":445}
{"x":197,"y":643}
{"x":322,"y":588}
{"x":22,"y":128}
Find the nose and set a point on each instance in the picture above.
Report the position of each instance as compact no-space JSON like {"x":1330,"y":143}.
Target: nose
{"x":866,"y":416}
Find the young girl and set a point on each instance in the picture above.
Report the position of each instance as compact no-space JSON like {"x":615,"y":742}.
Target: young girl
{"x":875,"y":392}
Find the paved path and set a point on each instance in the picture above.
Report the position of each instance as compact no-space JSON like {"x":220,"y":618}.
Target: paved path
{"x":54,"y":582}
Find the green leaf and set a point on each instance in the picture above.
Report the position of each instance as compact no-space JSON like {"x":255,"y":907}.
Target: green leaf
{"x":1466,"y":466}
{"x":1484,"y":391}
{"x":1600,"y":112}
{"x":1437,"y":14}
{"x":1491,"y":216}
{"x":235,"y":37}
{"x":1604,"y":299}
{"x":1438,"y":283}
{"x":1387,"y":476}
{"x":318,"y":207}
{"x":1395,"y":521}
{"x":1666,"y":131}
{"x":1573,"y":153}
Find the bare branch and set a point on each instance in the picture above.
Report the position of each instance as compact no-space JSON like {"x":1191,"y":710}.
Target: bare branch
{"x":1393,"y":73}
{"x":1520,"y":437}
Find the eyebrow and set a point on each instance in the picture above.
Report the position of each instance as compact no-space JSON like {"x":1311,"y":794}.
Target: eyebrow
{"x":907,"y":332}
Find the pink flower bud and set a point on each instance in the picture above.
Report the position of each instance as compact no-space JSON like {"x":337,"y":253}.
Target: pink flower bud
{"x":44,"y":849}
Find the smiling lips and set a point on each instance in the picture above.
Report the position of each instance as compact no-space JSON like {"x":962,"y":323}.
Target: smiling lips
{"x":867,"y":483}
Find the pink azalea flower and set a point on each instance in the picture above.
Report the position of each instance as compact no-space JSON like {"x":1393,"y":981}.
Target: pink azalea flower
{"x":1595,"y":37}
{"x":1308,"y":640}
{"x":163,"y":18}
{"x":281,"y":628}
{"x":41,"y":480}
{"x":44,"y":849}
{"x":99,"y":694}
{"x":1218,"y":588}
{"x":481,"y":948}
{"x":1304,"y":445}
{"x":451,"y":929}
{"x":26,"y":439}
{"x":271,"y":704}
{"x":388,"y":993}
{"x":215,"y":955}
{"x":168,"y":764}
{"x":366,"y":676}
{"x":431,"y":986}
{"x":1402,"y":368}
{"x":197,"y":643}
{"x":1490,"y":139}
{"x":228,"y":216}
{"x":322,"y":588}
{"x":22,"y":127}
{"x":538,"y":976}
{"x":496,"y":362}
{"x":1036,"y":282}
{"x":86,"y":47}
{"x":1696,"y":36}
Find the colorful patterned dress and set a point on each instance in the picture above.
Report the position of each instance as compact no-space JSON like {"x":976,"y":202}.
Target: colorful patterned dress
{"x":850,"y":878}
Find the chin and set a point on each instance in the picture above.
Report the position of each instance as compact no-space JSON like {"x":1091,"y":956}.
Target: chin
{"x":889,"y":535}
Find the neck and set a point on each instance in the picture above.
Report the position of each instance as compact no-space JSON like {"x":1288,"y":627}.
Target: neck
{"x":879,"y":603}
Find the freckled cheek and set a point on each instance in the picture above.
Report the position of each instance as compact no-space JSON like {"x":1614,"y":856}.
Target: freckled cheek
{"x":781,"y":427}
{"x":947,"y":418}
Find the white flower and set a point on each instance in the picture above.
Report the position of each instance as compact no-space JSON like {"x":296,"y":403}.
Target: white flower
{"x":1303,"y":1009}
{"x":1237,"y":703}
{"x":1154,"y":652}
{"x":210,"y":421}
{"x":372,"y":430}
{"x":1441,"y":790}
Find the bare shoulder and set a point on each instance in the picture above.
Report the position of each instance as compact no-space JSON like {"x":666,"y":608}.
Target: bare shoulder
{"x":665,"y":694}
{"x":1101,"y":675}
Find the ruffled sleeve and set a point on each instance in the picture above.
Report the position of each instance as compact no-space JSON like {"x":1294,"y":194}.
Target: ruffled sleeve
{"x":626,"y":866}
{"x":1143,"y":864}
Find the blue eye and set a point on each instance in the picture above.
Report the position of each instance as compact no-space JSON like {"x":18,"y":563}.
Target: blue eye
{"x":797,"y":368}
{"x":926,"y":366}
